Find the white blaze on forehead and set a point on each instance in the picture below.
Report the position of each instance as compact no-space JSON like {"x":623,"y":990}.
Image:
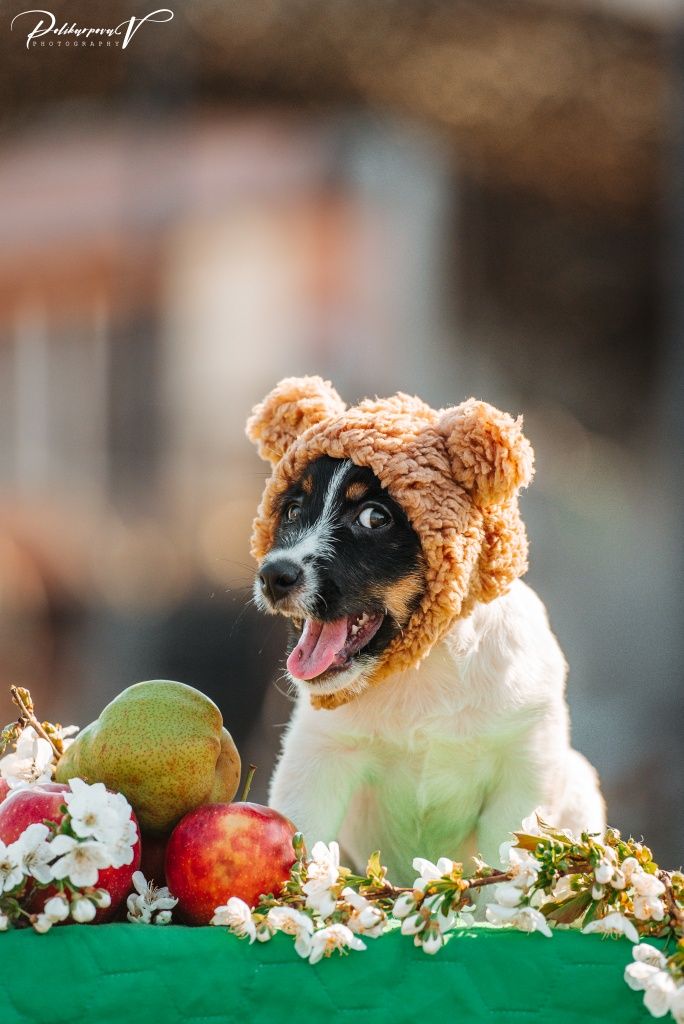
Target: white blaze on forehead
{"x":316,"y":540}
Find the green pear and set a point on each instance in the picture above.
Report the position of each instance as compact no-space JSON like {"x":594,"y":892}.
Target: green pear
{"x":162,"y":744}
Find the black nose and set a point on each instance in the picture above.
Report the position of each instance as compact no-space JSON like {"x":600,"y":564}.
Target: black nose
{"x":279,"y":578}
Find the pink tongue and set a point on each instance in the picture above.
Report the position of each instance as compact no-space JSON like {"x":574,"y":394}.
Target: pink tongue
{"x":318,"y":646}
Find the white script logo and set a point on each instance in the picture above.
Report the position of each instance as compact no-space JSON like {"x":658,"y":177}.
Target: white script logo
{"x":84,"y":35}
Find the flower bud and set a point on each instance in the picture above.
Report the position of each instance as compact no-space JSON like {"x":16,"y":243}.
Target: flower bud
{"x":4,"y":922}
{"x":432,"y":941}
{"x":597,"y":892}
{"x":264,"y":932}
{"x":603,"y":873}
{"x":163,"y":917}
{"x":82,"y":910}
{"x":102,"y":898}
{"x":404,"y":905}
{"x":413,"y":924}
{"x":42,"y":923}
{"x":57,"y":908}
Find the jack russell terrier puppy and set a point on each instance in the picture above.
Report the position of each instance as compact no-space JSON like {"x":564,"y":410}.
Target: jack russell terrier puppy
{"x":430,"y":716}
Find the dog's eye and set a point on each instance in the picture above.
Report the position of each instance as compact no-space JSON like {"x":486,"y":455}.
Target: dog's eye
{"x":293,"y":512}
{"x":373,"y":516}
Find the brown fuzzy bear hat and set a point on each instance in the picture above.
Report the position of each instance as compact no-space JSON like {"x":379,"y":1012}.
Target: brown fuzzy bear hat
{"x":456,"y":473}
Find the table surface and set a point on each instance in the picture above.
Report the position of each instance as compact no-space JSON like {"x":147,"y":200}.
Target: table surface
{"x":139,"y":974}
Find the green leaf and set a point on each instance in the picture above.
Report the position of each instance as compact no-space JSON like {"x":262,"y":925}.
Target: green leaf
{"x":569,"y":910}
{"x":375,"y":870}
{"x":527,"y":842}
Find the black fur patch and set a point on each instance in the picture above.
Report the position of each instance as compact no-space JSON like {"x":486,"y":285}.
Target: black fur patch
{"x":362,"y":567}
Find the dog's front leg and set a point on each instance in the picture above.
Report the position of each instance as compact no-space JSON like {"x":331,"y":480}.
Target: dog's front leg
{"x":519,"y":792}
{"x":314,"y":782}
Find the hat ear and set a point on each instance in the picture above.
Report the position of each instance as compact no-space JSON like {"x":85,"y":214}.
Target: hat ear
{"x":489,"y":454}
{"x":294,"y":405}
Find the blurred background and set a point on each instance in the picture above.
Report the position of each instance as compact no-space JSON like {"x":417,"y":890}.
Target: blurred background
{"x":450,"y":198}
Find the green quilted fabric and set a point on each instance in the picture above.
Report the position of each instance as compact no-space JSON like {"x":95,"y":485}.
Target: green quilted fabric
{"x":138,"y":974}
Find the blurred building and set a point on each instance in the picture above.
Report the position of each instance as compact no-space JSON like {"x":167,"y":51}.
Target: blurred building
{"x":443,"y":198}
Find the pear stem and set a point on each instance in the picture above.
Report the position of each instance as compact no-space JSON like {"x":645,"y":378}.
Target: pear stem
{"x":248,"y":782}
{"x":32,"y":720}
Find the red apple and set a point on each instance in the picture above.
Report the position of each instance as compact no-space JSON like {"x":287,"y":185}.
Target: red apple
{"x":41,"y":802}
{"x":223,"y":850}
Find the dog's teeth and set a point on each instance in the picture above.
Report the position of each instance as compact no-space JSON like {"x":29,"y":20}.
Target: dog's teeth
{"x":354,"y":630}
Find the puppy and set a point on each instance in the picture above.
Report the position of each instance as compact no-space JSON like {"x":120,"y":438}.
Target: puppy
{"x":442,"y":758}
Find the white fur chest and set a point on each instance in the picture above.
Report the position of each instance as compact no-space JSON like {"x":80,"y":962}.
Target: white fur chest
{"x":413,"y":762}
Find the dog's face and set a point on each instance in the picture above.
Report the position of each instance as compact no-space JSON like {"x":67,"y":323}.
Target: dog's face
{"x":346,"y":568}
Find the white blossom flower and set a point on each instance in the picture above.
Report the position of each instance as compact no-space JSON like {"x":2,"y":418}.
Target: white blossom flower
{"x":42,"y":923}
{"x":525,"y":919}
{"x":149,"y":900}
{"x":659,"y":993}
{"x":11,"y":873}
{"x":293,"y":922}
{"x":430,"y":872}
{"x":508,"y":895}
{"x":322,"y":875}
{"x":121,"y":846}
{"x":4,"y":922}
{"x":639,"y":975}
{"x":563,"y":887}
{"x":81,"y":862}
{"x":648,"y":908}
{"x":597,"y":892}
{"x":57,"y":908}
{"x":523,"y":867}
{"x":31,"y":761}
{"x":36,"y":852}
{"x":82,"y":910}
{"x":629,"y":866}
{"x":613,"y":923}
{"x":645,"y":884}
{"x":404,"y":905}
{"x":648,"y":889}
{"x":645,"y":953}
{"x":677,"y":1004}
{"x":366,"y":919}
{"x":335,"y":936}
{"x":236,"y":916}
{"x":92,"y":812}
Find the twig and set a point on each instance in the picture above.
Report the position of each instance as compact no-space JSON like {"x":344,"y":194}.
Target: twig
{"x":676,"y":912}
{"x":32,"y":720}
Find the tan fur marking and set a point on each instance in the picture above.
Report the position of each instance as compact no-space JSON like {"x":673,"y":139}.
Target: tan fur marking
{"x":307,"y":484}
{"x":356,"y":491}
{"x":398,"y":597}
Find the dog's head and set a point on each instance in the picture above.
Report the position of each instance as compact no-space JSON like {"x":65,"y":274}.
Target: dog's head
{"x":346,"y":567}
{"x":381,"y":524}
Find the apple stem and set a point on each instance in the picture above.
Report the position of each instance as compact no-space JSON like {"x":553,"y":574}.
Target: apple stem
{"x":248,"y":782}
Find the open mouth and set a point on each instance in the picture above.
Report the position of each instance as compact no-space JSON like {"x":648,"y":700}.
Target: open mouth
{"x":327,"y":646}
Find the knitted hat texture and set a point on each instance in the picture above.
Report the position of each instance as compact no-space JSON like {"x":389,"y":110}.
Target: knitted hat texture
{"x":456,"y":472}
